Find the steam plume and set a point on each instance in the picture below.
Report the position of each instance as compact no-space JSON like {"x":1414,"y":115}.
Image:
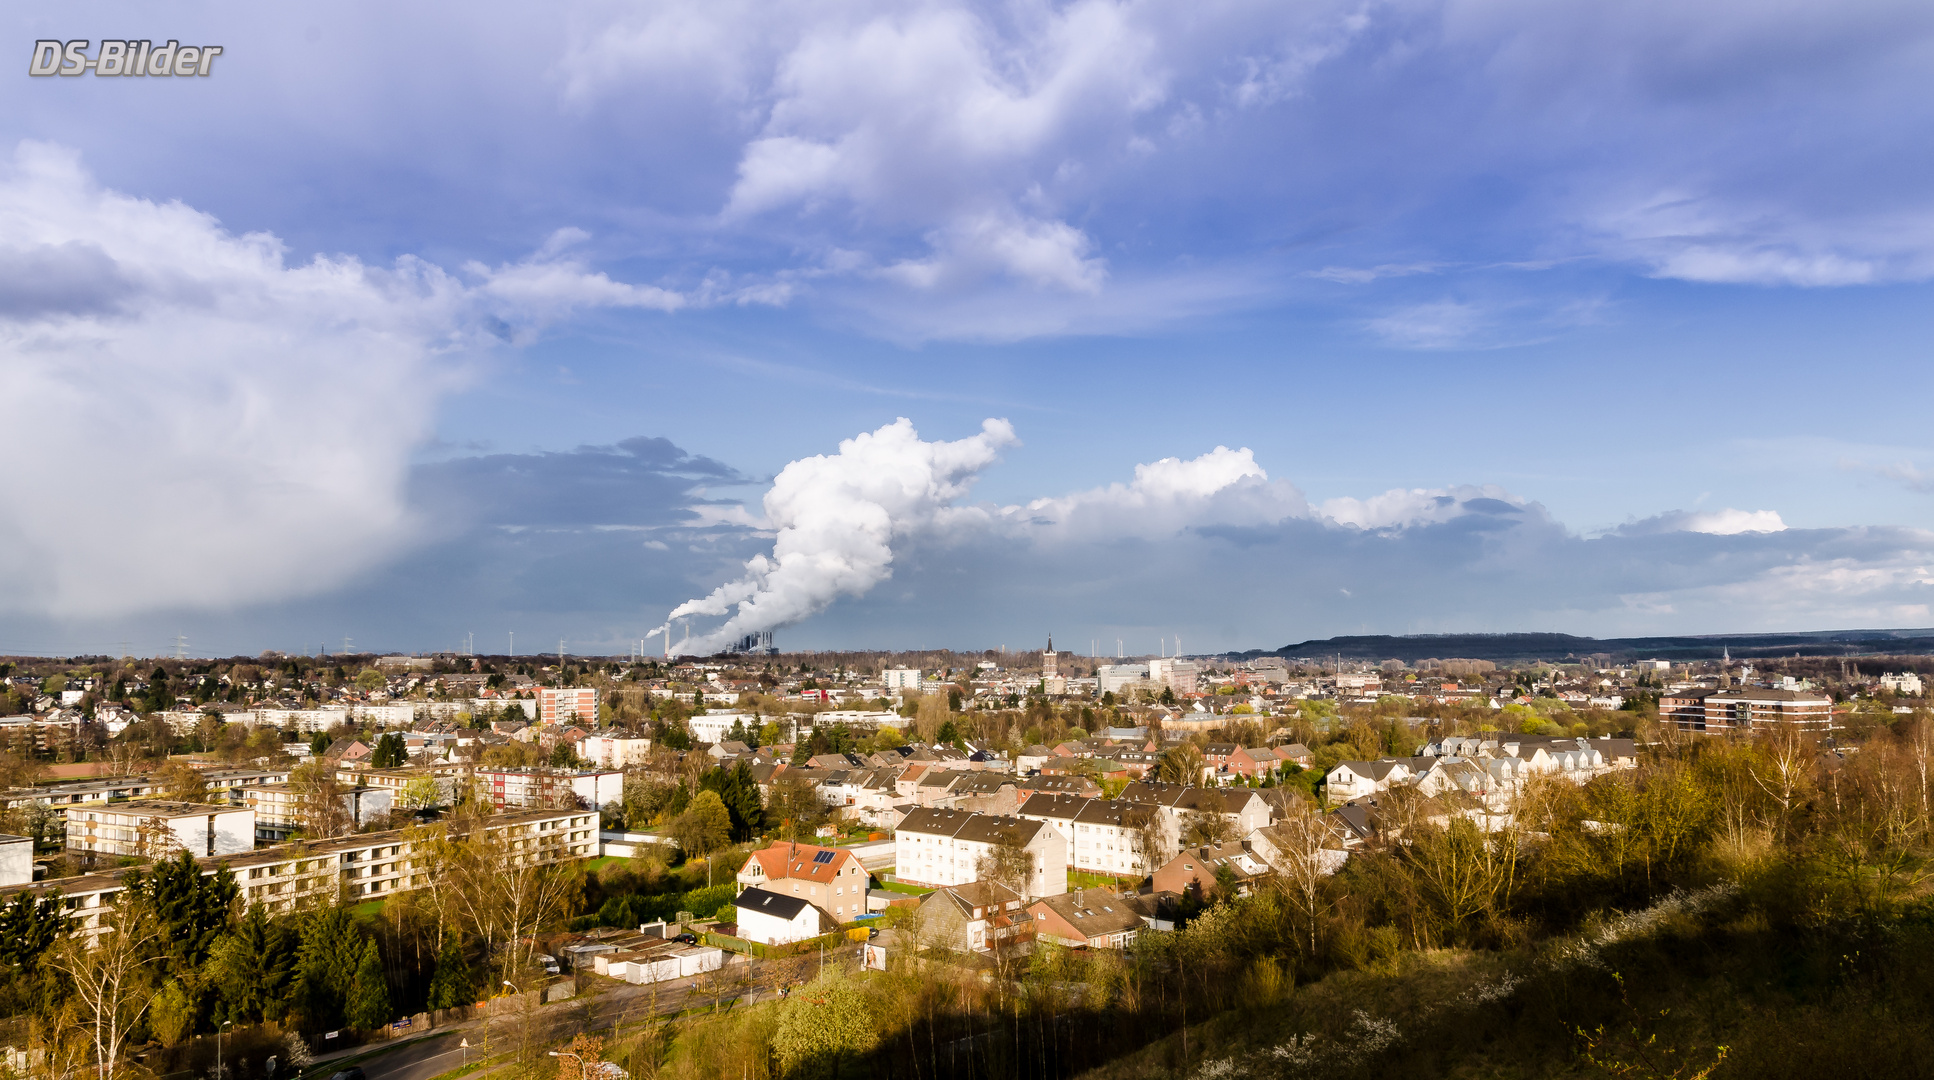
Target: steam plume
{"x":836,"y":517}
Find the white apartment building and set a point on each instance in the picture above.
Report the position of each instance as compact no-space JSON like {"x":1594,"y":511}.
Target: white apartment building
{"x":1111,"y":678}
{"x":901,"y":679}
{"x":1178,"y":675}
{"x":1907,"y":684}
{"x":714,"y":727}
{"x":279,"y":808}
{"x":615,"y":750}
{"x":156,"y":829}
{"x":1107,"y":836}
{"x":945,"y":847}
{"x":367,"y":865}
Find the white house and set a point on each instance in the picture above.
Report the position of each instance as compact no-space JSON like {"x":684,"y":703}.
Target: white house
{"x":771,"y":918}
{"x":1355,"y":779}
{"x":901,"y":679}
{"x":946,"y":847}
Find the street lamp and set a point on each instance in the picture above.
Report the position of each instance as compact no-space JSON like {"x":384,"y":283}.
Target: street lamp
{"x":513,"y":989}
{"x":219,"y":1074}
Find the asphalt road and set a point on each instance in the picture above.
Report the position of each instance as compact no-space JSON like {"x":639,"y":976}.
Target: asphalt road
{"x":429,"y":1055}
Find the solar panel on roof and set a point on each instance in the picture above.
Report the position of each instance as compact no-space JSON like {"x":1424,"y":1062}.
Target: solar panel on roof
{"x":823,"y":856}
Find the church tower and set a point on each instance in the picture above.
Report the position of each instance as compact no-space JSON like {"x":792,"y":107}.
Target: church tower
{"x":1050,"y":663}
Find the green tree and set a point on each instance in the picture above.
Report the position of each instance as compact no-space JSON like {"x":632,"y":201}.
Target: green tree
{"x":193,"y":909}
{"x":368,"y":1005}
{"x":454,"y":984}
{"x":390,"y":751}
{"x":325,"y":965}
{"x":823,"y":1023}
{"x":703,"y":828}
{"x":28,"y":928}
{"x":369,"y":679}
{"x":740,"y":793}
{"x":254,"y":968}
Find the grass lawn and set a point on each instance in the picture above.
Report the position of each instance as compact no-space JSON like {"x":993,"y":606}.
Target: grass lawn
{"x":368,"y":907}
{"x":910,"y":890}
{"x":605,"y":862}
{"x":1100,"y":881}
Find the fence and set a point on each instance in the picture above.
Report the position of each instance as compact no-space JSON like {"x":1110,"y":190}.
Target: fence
{"x":834,"y":940}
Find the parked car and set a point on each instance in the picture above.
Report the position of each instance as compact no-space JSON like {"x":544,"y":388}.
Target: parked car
{"x":687,"y":939}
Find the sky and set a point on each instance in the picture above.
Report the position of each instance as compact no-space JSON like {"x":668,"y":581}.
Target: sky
{"x":1152,"y":326}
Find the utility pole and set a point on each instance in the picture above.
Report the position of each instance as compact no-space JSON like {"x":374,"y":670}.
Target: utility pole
{"x":181,"y":647}
{"x":345,"y":644}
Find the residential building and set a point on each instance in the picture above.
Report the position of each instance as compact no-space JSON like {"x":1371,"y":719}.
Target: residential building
{"x":771,"y":918}
{"x":157,"y":829}
{"x":1106,"y":836}
{"x":1746,"y":709}
{"x":1114,"y":678}
{"x":615,"y":749}
{"x":1085,"y":919}
{"x":830,"y":878}
{"x":1178,"y":675}
{"x":894,"y":679}
{"x":16,"y":860}
{"x":1199,"y":869}
{"x":363,"y":866}
{"x":1906,"y":684}
{"x":974,"y":917}
{"x":714,"y":727}
{"x":941,"y":847}
{"x":535,"y":788}
{"x":1355,"y":779}
{"x":279,"y":808}
{"x":567,"y":705}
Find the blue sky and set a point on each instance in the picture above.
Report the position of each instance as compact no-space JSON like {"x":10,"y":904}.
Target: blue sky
{"x":412,"y":322}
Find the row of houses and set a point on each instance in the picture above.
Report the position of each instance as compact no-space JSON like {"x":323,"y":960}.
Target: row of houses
{"x":1490,"y":767}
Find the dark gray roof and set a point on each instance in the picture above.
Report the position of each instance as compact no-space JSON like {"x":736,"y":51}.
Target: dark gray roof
{"x":775,"y":904}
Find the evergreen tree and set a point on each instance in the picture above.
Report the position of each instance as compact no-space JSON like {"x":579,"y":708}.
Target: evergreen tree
{"x":368,"y":1005}
{"x":454,"y":984}
{"x":254,"y":966}
{"x":28,"y":928}
{"x":193,"y":909}
{"x":325,"y":965}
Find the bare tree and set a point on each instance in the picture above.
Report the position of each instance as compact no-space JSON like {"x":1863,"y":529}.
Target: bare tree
{"x":1302,"y":839}
{"x":111,"y":981}
{"x":1783,"y":766}
{"x":1009,"y":862}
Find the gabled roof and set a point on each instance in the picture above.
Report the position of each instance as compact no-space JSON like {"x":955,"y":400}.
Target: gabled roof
{"x":958,"y":824}
{"x":1092,"y":912}
{"x":803,"y":862}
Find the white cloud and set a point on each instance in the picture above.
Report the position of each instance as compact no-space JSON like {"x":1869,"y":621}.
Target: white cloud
{"x":200,"y":423}
{"x":1400,"y":509}
{"x":1724,"y":522}
{"x":1221,"y":487}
